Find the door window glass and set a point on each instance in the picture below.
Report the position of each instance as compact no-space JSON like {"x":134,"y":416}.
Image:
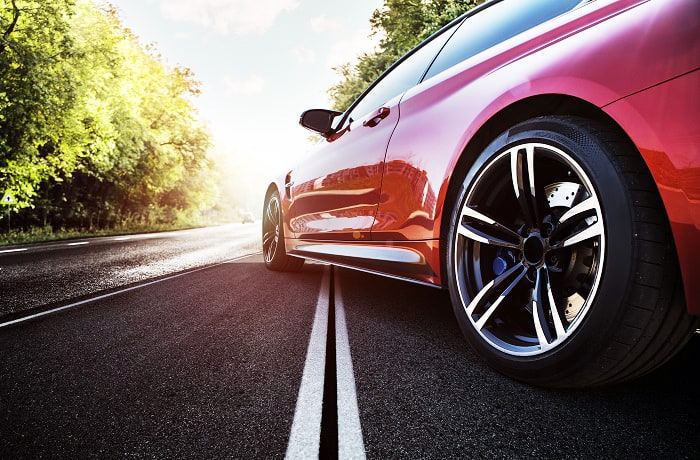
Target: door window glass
{"x":495,"y":24}
{"x":403,"y":76}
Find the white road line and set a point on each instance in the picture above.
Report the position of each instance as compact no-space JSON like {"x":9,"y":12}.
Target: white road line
{"x":7,"y":251}
{"x":305,"y":437}
{"x":80,"y":243}
{"x":350,"y":442}
{"x":122,"y":291}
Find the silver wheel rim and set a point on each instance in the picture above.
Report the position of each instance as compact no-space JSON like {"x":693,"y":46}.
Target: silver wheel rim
{"x":529,"y":249}
{"x":271,"y":229}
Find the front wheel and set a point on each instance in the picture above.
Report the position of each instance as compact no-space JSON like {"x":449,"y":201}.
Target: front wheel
{"x":274,"y":252}
{"x":560,"y":261}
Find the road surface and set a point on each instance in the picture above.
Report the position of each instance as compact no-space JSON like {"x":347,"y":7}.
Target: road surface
{"x":182,"y":345}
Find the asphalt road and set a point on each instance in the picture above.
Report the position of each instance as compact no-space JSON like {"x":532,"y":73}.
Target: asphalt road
{"x":185,"y":346}
{"x":51,"y":273}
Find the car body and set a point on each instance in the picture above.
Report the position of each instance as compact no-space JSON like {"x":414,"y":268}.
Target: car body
{"x":398,"y":183}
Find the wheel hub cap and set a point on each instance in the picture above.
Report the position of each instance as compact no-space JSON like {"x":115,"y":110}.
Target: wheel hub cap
{"x":534,"y":250}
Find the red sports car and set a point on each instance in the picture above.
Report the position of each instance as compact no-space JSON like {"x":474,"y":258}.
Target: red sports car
{"x":541,"y":160}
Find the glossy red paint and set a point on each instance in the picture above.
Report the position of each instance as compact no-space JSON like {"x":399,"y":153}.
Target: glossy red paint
{"x":662,"y":121}
{"x":615,"y":59}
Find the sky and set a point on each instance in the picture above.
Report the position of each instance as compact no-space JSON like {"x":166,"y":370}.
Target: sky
{"x":261,"y":64}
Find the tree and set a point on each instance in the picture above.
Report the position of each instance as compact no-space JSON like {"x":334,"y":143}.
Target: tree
{"x":95,"y":129}
{"x":35,"y":92}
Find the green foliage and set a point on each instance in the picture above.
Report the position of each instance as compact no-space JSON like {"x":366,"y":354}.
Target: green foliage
{"x":94,"y":128}
{"x":35,"y":94}
{"x":402,"y":24}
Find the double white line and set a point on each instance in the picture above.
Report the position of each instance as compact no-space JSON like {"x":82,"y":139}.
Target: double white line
{"x":305,"y":437}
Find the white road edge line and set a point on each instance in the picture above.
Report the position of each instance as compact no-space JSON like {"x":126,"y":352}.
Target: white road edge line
{"x":305,"y":436}
{"x":7,"y":251}
{"x":122,"y":291}
{"x":350,"y":442}
{"x":81,"y":243}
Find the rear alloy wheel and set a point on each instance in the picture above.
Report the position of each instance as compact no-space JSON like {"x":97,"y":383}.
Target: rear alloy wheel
{"x":560,"y":262}
{"x":274,"y":252}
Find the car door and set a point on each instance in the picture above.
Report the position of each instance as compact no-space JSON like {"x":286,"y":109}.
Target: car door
{"x":335,"y":193}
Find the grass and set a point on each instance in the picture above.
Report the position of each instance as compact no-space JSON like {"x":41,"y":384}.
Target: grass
{"x":43,"y":234}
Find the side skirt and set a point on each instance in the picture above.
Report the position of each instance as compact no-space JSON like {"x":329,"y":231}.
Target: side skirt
{"x":409,"y":261}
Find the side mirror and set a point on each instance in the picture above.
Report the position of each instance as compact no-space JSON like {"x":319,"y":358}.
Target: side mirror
{"x":319,"y":120}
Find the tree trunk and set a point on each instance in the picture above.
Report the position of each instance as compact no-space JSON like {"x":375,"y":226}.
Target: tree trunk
{"x":11,"y":28}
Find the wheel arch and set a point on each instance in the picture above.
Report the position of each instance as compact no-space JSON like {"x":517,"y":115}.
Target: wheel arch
{"x":517,"y":112}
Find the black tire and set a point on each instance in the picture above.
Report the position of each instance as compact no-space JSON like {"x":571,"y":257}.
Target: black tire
{"x":274,"y":251}
{"x":560,"y":260}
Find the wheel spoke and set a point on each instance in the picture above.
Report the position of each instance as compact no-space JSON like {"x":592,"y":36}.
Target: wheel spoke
{"x":268,"y":213}
{"x":468,"y":231}
{"x":595,"y":230}
{"x":544,"y":306}
{"x":495,"y":289}
{"x":273,"y":212}
{"x":522,"y":170}
{"x":539,"y":316}
{"x":592,"y":231}
{"x":267,"y":237}
{"x":485,"y":317}
{"x":568,"y":231}
{"x":586,"y":208}
{"x":556,"y":317}
{"x":271,"y":249}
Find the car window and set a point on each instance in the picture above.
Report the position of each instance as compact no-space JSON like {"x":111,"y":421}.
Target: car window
{"x":403,"y":76}
{"x":495,"y":24}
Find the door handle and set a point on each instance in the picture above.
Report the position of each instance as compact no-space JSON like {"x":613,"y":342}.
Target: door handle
{"x":379,"y":116}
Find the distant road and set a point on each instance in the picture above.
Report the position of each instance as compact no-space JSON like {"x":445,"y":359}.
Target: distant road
{"x":48,"y":274}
